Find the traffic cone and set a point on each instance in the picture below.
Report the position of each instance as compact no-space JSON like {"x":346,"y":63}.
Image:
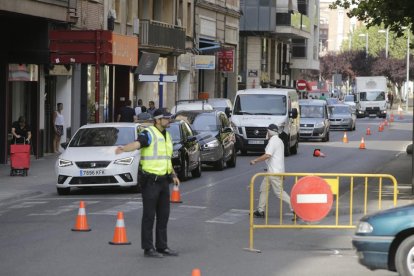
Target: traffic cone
{"x":392,"y":117}
{"x":362,"y":144}
{"x":385,"y":122}
{"x":120,"y":236}
{"x":196,"y":272}
{"x":175,"y":195}
{"x":380,"y":128}
{"x":368,"y":131}
{"x":81,"y":221}
{"x":318,"y":153}
{"x":345,"y":138}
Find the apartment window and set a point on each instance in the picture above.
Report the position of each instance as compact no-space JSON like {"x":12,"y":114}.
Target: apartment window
{"x":231,"y":34}
{"x":303,"y":6}
{"x":299,"y":48}
{"x":116,"y":5}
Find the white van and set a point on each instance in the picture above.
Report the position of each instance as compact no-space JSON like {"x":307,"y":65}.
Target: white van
{"x":255,"y":109}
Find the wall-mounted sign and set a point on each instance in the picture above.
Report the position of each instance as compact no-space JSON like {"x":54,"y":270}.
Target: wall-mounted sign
{"x":253,"y":74}
{"x":205,"y":62}
{"x":226,"y":61}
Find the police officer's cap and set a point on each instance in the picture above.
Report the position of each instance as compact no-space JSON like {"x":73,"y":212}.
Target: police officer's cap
{"x":162,"y":113}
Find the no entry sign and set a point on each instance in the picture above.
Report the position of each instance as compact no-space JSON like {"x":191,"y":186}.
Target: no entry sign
{"x":311,"y":198}
{"x":301,"y":85}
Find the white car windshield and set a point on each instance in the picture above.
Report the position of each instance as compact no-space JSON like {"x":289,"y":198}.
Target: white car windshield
{"x":261,"y":104}
{"x":103,"y":137}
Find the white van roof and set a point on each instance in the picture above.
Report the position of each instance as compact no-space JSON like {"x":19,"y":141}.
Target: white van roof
{"x":281,"y":91}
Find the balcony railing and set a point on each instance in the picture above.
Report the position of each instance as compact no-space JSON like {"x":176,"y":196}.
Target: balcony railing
{"x":161,"y":35}
{"x":296,"y":20}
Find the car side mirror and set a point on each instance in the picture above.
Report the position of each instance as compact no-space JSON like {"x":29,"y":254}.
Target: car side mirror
{"x":64,"y":145}
{"x":293,"y":113}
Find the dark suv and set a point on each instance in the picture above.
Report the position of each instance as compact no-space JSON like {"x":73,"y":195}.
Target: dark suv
{"x":215,"y":135}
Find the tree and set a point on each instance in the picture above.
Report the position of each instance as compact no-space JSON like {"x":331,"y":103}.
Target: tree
{"x":394,"y":14}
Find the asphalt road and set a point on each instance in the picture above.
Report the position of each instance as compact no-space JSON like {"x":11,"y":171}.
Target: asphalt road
{"x":209,"y":229}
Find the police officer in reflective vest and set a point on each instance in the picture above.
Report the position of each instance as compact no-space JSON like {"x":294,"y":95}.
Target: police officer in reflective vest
{"x":156,"y":172}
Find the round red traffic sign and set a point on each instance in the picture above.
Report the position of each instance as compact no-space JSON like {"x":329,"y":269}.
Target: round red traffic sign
{"x":311,"y":198}
{"x":301,"y":85}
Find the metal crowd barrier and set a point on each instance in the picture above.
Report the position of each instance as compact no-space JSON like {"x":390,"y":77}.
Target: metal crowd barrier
{"x":343,"y":185}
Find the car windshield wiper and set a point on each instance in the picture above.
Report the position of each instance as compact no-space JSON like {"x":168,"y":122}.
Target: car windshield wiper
{"x":264,"y":114}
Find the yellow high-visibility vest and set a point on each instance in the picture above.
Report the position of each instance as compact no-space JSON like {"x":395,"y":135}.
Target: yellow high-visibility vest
{"x":156,"y":158}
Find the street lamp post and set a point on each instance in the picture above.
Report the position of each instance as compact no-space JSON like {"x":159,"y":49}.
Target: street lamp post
{"x":366,"y":43}
{"x":408,"y":70}
{"x":386,"y":40}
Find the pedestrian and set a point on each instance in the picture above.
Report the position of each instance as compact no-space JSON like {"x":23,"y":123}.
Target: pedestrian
{"x":390,"y":97}
{"x":21,"y":131}
{"x":322,"y":97}
{"x":151,"y":108}
{"x":275,"y":159}
{"x":156,"y":172}
{"x":126,"y":113}
{"x":144,"y":115}
{"x":58,"y":123}
{"x":138,"y":108}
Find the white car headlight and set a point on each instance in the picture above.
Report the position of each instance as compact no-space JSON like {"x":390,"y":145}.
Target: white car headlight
{"x":364,"y":227}
{"x":175,"y":154}
{"x":212,"y":144}
{"x":64,"y":163}
{"x":320,"y":124}
{"x":124,"y":161}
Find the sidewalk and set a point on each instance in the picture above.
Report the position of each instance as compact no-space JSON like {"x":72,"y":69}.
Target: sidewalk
{"x":41,"y":172}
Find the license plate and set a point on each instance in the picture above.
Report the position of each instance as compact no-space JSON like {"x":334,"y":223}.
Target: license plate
{"x":91,"y":172}
{"x":256,"y":142}
{"x":306,"y":131}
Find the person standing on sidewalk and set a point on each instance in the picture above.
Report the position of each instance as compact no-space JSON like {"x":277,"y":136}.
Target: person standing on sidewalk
{"x":156,"y":172}
{"x":126,"y":113}
{"x":275,"y":159}
{"x":58,"y":123}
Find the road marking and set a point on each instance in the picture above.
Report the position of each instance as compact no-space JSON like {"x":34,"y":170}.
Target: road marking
{"x":27,"y":204}
{"x":63,"y":209}
{"x":182,"y":211}
{"x":231,"y":217}
{"x":127,"y":207}
{"x":312,"y":198}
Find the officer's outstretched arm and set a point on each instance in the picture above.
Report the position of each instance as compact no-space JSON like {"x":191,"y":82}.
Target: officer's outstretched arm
{"x":129,"y":147}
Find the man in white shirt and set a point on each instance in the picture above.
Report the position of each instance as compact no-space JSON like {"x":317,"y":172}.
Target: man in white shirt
{"x":275,"y":160}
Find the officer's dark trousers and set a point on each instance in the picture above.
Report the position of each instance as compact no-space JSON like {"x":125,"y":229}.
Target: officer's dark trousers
{"x":156,"y":204}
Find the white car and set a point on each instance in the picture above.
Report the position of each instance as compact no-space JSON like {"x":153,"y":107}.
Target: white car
{"x":191,"y":106}
{"x":89,"y":159}
{"x":350,"y":100}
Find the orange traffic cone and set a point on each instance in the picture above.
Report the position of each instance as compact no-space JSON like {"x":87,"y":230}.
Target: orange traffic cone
{"x":81,"y":221}
{"x":392,"y":117}
{"x":120,"y":236}
{"x":362,"y":144}
{"x":380,"y":128}
{"x":345,"y":138}
{"x":196,"y":272}
{"x":368,"y":131}
{"x":175,"y":195}
{"x":385,"y":122}
{"x":318,"y":153}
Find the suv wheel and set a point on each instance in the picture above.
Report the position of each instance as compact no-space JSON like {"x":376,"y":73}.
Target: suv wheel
{"x":197,"y":171}
{"x":232,"y":162}
{"x":183,"y":174}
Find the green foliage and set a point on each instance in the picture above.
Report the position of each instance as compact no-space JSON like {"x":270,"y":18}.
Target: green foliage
{"x":393,"y":14}
{"x":397,"y":46}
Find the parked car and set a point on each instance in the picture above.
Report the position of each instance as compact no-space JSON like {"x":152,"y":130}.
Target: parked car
{"x":221,"y":104}
{"x":342,"y":117}
{"x":191,"y":105}
{"x":186,"y":157}
{"x":215,"y":135}
{"x":89,"y":158}
{"x":314,"y":120}
{"x":385,"y":240}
